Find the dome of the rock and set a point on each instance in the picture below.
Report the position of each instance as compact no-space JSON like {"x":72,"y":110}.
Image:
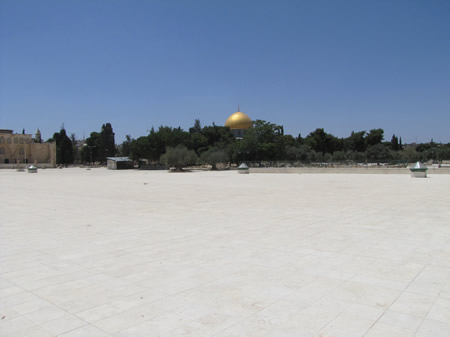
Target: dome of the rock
{"x":239,"y":120}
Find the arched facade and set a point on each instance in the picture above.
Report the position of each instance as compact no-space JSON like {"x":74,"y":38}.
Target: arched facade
{"x":21,"y":149}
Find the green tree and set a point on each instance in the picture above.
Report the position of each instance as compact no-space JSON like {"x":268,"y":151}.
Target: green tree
{"x":156,"y":144}
{"x":199,"y":142}
{"x":264,"y":141}
{"x":410,"y":155}
{"x":339,"y":156}
{"x":322,"y":142}
{"x":100,"y":145}
{"x":140,"y":149}
{"x":378,"y":152}
{"x":125,"y":148}
{"x":219,"y":136}
{"x":197,"y":128}
{"x":153,"y":146}
{"x":107,"y":145}
{"x":358,"y":157}
{"x":394,"y":143}
{"x":167,"y":137}
{"x":442,"y":152}
{"x":374,"y":137}
{"x":423,"y":147}
{"x":64,"y":148}
{"x":299,"y":153}
{"x":178,"y":157}
{"x":213,"y":156}
{"x":355,"y":142}
{"x":91,"y":148}
{"x":75,"y":150}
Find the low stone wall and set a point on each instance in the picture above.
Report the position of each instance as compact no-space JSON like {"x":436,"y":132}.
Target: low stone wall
{"x":343,"y":170}
{"x":38,"y":165}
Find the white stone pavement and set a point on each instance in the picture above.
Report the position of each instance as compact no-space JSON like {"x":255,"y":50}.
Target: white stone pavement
{"x":92,"y":253}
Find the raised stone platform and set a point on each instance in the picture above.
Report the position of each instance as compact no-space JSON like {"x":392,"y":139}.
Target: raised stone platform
{"x":148,"y":253}
{"x":344,"y":170}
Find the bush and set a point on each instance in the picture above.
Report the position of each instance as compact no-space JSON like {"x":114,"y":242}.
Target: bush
{"x":299,"y":153}
{"x":326,"y":157}
{"x":410,"y":155}
{"x":357,"y":157}
{"x":339,"y":156}
{"x":378,"y":152}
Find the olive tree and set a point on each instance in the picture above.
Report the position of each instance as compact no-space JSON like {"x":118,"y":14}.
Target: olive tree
{"x":178,"y":157}
{"x":213,"y":156}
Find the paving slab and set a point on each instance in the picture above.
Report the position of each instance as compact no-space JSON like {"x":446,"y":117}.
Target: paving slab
{"x":152,"y":253}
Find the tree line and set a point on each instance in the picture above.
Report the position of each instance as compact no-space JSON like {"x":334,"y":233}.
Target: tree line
{"x":265,"y":141}
{"x":96,"y":148}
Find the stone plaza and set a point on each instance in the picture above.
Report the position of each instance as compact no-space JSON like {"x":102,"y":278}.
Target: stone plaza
{"x":94,"y":253}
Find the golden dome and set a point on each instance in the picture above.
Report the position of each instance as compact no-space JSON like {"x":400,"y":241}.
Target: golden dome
{"x":239,"y":120}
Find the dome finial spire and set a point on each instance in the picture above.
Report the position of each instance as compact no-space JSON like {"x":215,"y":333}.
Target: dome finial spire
{"x":239,"y":108}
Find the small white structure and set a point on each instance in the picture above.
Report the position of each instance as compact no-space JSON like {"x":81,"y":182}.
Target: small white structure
{"x":243,"y":169}
{"x":419,"y":170}
{"x":32,"y":169}
{"x":119,"y":163}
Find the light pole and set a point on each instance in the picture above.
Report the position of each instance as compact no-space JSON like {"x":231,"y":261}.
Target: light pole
{"x":90,"y":151}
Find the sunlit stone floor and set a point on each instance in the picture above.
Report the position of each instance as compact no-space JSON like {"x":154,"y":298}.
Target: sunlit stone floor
{"x":92,"y":253}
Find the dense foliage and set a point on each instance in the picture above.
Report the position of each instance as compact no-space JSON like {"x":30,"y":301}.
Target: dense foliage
{"x":64,"y":148}
{"x":198,"y":139}
{"x":99,"y":145}
{"x":265,"y":141}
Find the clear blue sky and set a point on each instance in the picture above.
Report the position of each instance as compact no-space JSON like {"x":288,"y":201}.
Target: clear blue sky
{"x":340,"y":65}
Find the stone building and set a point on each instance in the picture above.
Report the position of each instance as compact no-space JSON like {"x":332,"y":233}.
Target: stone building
{"x":19,"y":149}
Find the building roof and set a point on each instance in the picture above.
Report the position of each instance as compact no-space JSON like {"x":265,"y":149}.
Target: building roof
{"x":119,"y":158}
